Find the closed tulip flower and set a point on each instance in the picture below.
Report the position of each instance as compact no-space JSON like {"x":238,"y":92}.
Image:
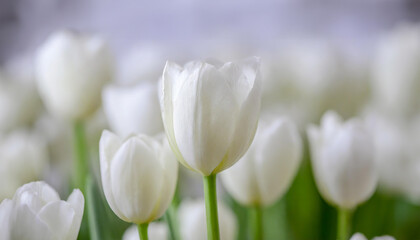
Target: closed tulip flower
{"x":265,"y":172}
{"x":343,"y":162}
{"x":71,"y":70}
{"x":192,"y":221}
{"x":37,"y":213}
{"x":23,"y":158}
{"x":139,"y":176}
{"x":210,"y":113}
{"x":133,"y":109}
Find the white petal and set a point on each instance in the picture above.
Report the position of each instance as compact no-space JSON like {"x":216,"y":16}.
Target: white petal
{"x":108,"y":146}
{"x":247,"y":90}
{"x":27,"y":226}
{"x":58,"y":216}
{"x":35,"y":195}
{"x":77,"y":202}
{"x":6,"y":208}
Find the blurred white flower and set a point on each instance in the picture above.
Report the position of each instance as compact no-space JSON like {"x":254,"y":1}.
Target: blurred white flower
{"x":71,"y":71}
{"x":396,"y":72}
{"x":19,"y":100}
{"x":23,"y":158}
{"x":192,"y":221}
{"x":210,"y":112}
{"x":156,"y":231}
{"x":359,"y":236}
{"x":37,"y":213}
{"x":133,"y":109}
{"x":304,"y":79}
{"x":343,"y":160}
{"x":266,"y":171}
{"x":142,"y":64}
{"x":139,"y":176}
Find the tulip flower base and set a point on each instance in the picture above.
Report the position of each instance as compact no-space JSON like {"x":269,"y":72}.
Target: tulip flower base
{"x":210,"y":196}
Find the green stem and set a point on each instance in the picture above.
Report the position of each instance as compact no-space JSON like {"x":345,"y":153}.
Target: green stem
{"x":170,"y":218}
{"x":343,"y":224}
{"x":143,"y":231}
{"x":210,"y":196}
{"x":81,"y":157}
{"x":256,"y":222}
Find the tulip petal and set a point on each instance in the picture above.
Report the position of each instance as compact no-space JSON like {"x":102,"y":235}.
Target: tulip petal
{"x":6,"y":208}
{"x":27,"y":226}
{"x":108,"y":146}
{"x":77,"y":202}
{"x":58,"y":216}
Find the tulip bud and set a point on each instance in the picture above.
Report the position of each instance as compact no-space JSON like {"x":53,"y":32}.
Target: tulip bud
{"x":192,"y":221}
{"x":139,"y":176}
{"x":133,"y":109}
{"x":210,"y":112}
{"x":266,"y":171}
{"x":156,"y":231}
{"x":71,"y":70}
{"x":342,"y":155}
{"x":23,"y":158}
{"x":37,"y":213}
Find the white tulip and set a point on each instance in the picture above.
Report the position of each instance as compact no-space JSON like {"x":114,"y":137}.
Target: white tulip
{"x":23,"y":158}
{"x":71,"y":71}
{"x":359,"y":236}
{"x":139,"y":176}
{"x":37,"y":213}
{"x":343,"y":160}
{"x":192,"y":221}
{"x":156,"y":231}
{"x":396,"y":74}
{"x":19,"y":100}
{"x":210,"y":112}
{"x":266,"y":171}
{"x":133,"y":109}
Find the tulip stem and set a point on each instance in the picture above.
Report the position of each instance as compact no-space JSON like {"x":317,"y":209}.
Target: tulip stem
{"x":210,"y":196}
{"x":81,"y":155}
{"x":343,"y":224}
{"x":256,"y":222}
{"x":143,"y":231}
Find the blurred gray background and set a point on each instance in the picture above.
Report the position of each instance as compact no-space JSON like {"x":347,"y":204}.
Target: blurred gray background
{"x":186,"y":24}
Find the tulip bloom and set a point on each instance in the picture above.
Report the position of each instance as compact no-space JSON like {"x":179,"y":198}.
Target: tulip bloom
{"x":210,"y":113}
{"x":37,"y":213}
{"x":343,"y":162}
{"x":139,"y":177}
{"x":192,"y":221}
{"x":71,"y":71}
{"x":133,"y":110}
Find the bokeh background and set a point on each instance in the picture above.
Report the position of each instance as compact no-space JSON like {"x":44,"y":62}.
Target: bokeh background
{"x":316,"y":55}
